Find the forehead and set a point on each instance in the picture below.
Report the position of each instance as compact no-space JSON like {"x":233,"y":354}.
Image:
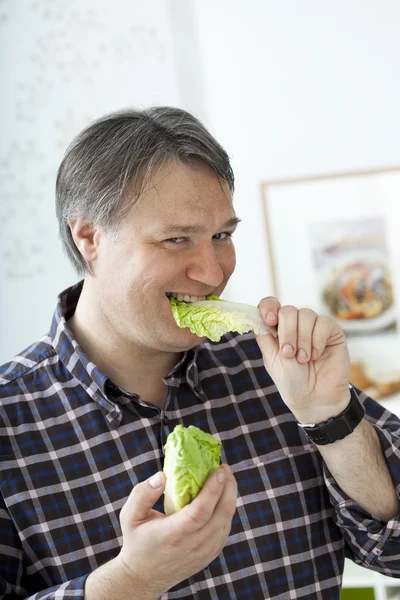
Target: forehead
{"x":184,"y":193}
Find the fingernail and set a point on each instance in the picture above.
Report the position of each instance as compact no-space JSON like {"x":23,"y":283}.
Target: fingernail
{"x":271,"y":316}
{"x":156,"y":481}
{"x":287,"y":349}
{"x":220,"y":476}
{"x":302,"y":354}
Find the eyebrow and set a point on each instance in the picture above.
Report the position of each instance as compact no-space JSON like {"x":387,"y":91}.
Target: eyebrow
{"x":233,"y":222}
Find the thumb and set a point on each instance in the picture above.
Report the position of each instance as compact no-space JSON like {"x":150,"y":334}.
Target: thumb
{"x":142,"y":499}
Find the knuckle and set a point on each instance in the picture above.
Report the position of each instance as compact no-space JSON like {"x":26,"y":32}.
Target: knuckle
{"x":287,"y":309}
{"x":198,"y":516}
{"x":175,"y":540}
{"x":303,"y":341}
{"x":318,"y":338}
{"x":325,"y":321}
{"x":308,"y":313}
{"x":269,"y":299}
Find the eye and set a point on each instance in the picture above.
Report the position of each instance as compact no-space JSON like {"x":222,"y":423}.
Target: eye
{"x":224,"y":235}
{"x":176,"y":240}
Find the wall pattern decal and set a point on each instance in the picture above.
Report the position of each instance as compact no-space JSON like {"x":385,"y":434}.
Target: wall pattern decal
{"x":67,"y":63}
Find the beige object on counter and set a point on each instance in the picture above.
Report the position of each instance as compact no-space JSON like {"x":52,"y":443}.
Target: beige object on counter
{"x":377,"y":387}
{"x":358,"y":376}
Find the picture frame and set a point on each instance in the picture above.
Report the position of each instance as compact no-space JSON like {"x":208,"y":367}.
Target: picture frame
{"x":303,"y":215}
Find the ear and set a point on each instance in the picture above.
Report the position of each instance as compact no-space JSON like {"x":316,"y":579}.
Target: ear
{"x":86,"y":238}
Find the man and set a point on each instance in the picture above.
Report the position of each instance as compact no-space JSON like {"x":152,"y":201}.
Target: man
{"x":144,"y":202}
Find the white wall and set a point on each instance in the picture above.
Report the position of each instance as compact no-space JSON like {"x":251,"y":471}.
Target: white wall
{"x":63,"y":64}
{"x":289,"y":88}
{"x":293,"y":89}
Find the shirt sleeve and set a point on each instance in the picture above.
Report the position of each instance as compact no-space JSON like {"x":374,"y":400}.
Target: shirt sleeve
{"x":13,"y":577}
{"x":370,"y":542}
{"x":70,"y":589}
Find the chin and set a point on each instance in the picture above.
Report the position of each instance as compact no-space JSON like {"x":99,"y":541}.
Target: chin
{"x":181,"y":338}
{"x":186,"y":340}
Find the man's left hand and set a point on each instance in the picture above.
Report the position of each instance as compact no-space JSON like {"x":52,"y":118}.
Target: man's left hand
{"x":308,"y":361}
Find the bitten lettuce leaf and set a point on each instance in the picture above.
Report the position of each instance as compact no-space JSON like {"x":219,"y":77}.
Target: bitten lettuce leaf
{"x":213,"y":317}
{"x":191,"y":455}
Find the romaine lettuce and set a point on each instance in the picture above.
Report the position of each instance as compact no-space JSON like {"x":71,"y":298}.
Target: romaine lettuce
{"x":213,"y":317}
{"x":191,"y":455}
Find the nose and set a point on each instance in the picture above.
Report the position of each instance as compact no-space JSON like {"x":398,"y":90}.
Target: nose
{"x":205,"y":267}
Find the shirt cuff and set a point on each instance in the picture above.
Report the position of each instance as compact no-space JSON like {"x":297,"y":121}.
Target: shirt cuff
{"x":373,"y":542}
{"x":75,"y":588}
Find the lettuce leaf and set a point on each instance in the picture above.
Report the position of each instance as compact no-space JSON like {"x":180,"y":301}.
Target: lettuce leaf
{"x":191,"y":455}
{"x":213,"y":317}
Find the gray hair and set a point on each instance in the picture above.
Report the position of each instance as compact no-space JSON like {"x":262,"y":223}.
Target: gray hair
{"x":124,"y":150}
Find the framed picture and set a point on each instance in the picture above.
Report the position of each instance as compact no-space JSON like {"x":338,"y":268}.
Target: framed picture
{"x":333,"y":244}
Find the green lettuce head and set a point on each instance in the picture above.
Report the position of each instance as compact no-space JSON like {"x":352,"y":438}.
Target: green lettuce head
{"x":213,"y":317}
{"x":191,"y":455}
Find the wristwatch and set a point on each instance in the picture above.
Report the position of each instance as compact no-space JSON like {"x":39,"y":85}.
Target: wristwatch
{"x":336,"y":428}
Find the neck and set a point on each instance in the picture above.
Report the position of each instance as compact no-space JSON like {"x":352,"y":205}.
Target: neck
{"x":134,"y":367}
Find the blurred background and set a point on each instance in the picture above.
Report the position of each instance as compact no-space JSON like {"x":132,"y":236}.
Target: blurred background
{"x":291,"y":90}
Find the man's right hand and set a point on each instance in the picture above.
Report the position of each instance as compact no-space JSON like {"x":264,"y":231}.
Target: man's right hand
{"x":159,"y":551}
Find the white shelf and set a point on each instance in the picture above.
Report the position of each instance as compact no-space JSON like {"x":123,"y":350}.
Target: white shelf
{"x":392,"y":404}
{"x":385,"y":588}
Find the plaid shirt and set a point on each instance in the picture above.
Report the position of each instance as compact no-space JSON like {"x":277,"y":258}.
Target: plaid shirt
{"x":73,"y":444}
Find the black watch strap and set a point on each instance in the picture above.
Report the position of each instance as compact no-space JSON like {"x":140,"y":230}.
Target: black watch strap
{"x":338,"y":427}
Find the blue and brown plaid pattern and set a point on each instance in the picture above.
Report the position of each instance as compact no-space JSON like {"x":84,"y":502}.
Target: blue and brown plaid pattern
{"x":73,"y":444}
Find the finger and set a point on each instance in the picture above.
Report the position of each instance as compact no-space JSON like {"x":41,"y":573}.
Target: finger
{"x":226,"y":506}
{"x":306,"y":319}
{"x":269,"y":346}
{"x":142,"y":498}
{"x":219,"y":526}
{"x":269,"y":308}
{"x":287,"y":330}
{"x":198,"y":513}
{"x":322,"y":330}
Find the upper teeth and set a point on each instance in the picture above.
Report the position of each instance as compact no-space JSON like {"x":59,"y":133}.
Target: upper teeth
{"x":185,"y":298}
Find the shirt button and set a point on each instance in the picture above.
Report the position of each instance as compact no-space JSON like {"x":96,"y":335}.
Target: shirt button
{"x":114,"y":414}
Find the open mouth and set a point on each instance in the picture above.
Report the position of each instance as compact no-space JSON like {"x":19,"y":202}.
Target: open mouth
{"x":185,"y":297}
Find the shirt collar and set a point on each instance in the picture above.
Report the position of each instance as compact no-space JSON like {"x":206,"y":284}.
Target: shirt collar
{"x":97,"y":383}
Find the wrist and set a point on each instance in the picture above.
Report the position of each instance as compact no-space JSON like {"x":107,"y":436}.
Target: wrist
{"x":338,"y":427}
{"x":115,"y":581}
{"x":145,"y":588}
{"x":321,"y":413}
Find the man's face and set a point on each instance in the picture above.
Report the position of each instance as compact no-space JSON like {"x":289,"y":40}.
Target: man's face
{"x":176,"y":238}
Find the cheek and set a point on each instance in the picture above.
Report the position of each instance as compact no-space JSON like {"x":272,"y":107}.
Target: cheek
{"x":229,"y":262}
{"x":155,"y":275}
{"x":111,"y":263}
{"x":122,"y":266}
